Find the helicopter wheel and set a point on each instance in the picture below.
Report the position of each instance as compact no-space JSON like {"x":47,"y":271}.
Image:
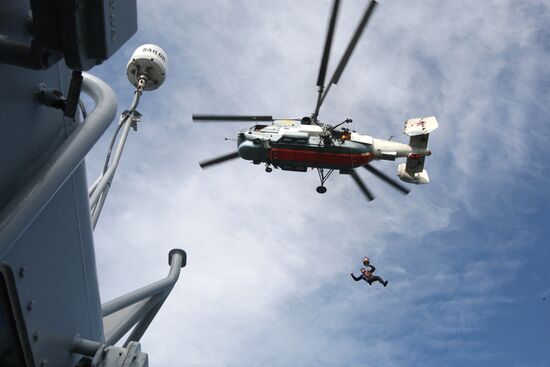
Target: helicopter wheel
{"x":268,"y":169}
{"x":321,"y":189}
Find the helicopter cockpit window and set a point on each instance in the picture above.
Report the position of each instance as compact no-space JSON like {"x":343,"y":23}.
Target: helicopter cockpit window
{"x":259,"y":127}
{"x":270,"y":129}
{"x":11,"y":349}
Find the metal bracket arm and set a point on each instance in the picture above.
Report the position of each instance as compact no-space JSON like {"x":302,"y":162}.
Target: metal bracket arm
{"x":178,"y":259}
{"x":139,"y":308}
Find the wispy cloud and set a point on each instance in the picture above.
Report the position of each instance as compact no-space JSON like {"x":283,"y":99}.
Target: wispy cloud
{"x":267,"y":281}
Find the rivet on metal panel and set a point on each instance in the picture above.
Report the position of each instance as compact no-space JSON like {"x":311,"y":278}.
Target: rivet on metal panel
{"x":36,"y":335}
{"x":22,"y":271}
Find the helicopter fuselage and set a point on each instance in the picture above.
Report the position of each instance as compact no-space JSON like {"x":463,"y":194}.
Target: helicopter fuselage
{"x":299,"y":144}
{"x":293,"y":146}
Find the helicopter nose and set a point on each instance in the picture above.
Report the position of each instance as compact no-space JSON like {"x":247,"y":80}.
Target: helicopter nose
{"x":253,"y":152}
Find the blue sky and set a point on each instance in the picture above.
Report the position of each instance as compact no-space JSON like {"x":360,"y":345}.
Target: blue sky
{"x":267,"y":281}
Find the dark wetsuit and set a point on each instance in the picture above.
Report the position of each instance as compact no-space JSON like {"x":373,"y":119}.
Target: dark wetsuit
{"x":371,"y":279}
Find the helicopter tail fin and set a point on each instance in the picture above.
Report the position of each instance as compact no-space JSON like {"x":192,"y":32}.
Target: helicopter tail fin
{"x":420,"y":126}
{"x":419,"y":130}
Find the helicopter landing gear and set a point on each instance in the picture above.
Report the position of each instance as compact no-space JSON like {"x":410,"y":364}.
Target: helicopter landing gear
{"x":268,"y":169}
{"x":323,"y":177}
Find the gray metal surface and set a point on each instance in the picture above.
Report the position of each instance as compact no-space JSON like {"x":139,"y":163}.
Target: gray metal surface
{"x":58,"y":288}
{"x":109,"y":356}
{"x":45,"y":239}
{"x":83,"y":32}
{"x":18,"y":53}
{"x":130,"y":356}
{"x":39,"y":189}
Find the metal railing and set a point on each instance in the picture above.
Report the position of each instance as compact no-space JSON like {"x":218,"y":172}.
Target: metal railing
{"x":29,"y":202}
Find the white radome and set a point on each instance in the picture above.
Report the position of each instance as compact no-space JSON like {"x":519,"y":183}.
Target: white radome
{"x":148,"y":60}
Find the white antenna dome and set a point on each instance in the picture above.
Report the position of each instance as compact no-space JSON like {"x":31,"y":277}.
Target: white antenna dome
{"x":148,"y":62}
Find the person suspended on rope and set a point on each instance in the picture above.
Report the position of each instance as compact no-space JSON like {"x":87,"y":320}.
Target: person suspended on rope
{"x":367,"y":275}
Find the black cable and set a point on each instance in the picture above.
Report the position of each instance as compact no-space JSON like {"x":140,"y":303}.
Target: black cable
{"x":73,"y":96}
{"x":82,"y":109}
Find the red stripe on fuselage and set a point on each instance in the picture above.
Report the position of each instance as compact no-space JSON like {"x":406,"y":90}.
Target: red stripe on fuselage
{"x":314,"y":158}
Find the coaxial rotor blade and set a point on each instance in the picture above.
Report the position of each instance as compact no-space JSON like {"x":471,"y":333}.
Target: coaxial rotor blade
{"x":388,"y":180}
{"x":232,"y":118}
{"x":361,"y":185}
{"x":328,"y":44}
{"x":353,"y":42}
{"x":349,"y":50}
{"x":324,"y":60}
{"x":218,"y":160}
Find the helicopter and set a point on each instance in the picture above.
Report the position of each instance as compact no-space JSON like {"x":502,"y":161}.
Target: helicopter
{"x":298,"y":144}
